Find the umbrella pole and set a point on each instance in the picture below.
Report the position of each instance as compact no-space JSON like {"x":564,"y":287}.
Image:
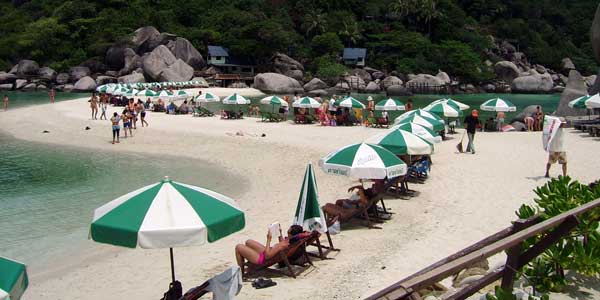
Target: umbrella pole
{"x":172,"y":265}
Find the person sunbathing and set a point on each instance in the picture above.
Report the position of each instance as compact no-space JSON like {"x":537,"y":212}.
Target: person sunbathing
{"x":257,"y":253}
{"x":346,"y":208}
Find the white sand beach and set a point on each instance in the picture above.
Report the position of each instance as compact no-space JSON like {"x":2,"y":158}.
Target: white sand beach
{"x":466,"y":198}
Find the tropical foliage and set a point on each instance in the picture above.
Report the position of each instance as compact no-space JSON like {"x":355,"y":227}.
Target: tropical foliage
{"x":403,"y":35}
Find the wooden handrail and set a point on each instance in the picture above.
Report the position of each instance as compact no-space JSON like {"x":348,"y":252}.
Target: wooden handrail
{"x":400,"y":290}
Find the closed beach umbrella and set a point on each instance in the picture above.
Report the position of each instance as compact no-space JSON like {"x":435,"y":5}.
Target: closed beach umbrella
{"x":308,"y":211}
{"x":498,"y":104}
{"x":349,"y":102}
{"x":207,"y":97}
{"x":306,"y":102}
{"x":364,"y":161}
{"x":402,"y":142}
{"x":390,"y":105}
{"x":146,"y":93}
{"x":420,"y":131}
{"x":432,"y":124}
{"x":444,"y":109}
{"x":13,"y":279}
{"x":235,"y":98}
{"x":166,"y":214}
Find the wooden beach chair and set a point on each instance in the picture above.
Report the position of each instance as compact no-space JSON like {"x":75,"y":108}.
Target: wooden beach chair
{"x":196,"y":293}
{"x":361,"y":211}
{"x":315,"y":241}
{"x":249,"y":269}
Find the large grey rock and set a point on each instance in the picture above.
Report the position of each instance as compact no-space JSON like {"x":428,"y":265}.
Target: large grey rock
{"x":276,"y":83}
{"x":185,"y":51}
{"x":41,"y":87}
{"x":372,"y":87}
{"x":319,"y":92}
{"x":567,"y":64}
{"x":595,"y":34}
{"x":76,"y":73}
{"x":157,"y":61}
{"x":29,"y":87}
{"x":143,"y":34}
{"x":47,"y":73}
{"x":7,"y":77}
{"x":315,"y":84}
{"x":540,"y":69}
{"x":363,"y":74}
{"x":444,"y":77}
{"x":342,"y":86}
{"x":398,"y":90}
{"x":6,"y":86}
{"x":489,"y":88}
{"x":526,"y":112}
{"x":68,"y":87}
{"x":100,"y":80}
{"x":575,"y":88}
{"x":370,"y":70}
{"x":85,"y":84}
{"x":283,"y":63}
{"x":389,"y":81}
{"x":179,"y":71}
{"x":131,"y":60}
{"x":115,"y":57}
{"x":27,"y":67}
{"x":378,"y":75}
{"x":519,"y":126}
{"x":203,"y":83}
{"x":589,"y":80}
{"x":296,"y":74}
{"x":506,"y":71}
{"x":425,"y":79}
{"x":95,"y":65}
{"x":355,"y":82}
{"x":533,"y":83}
{"x":14,"y":69}
{"x":595,"y":88}
{"x":62,"y":78}
{"x":132,"y":78}
{"x":151,"y":44}
{"x":20,"y":83}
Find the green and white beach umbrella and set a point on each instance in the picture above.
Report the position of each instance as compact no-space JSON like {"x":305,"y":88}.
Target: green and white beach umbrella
{"x":13,"y":279}
{"x":306,"y":102}
{"x":588,"y":101}
{"x":444,"y":109}
{"x":364,"y":161}
{"x":166,"y":214}
{"x":146,"y":93}
{"x":420,"y":131}
{"x":308,"y":211}
{"x":207,"y":97}
{"x":498,"y":104}
{"x":106,"y":88}
{"x":401,"y":142}
{"x":430,"y":123}
{"x":350,"y":103}
{"x":235,"y":98}
{"x":452,"y":102}
{"x":420,"y":112}
{"x":390,"y":105}
{"x":165,"y":94}
{"x":273,"y":100}
{"x":182,"y":94}
{"x":131,"y":92}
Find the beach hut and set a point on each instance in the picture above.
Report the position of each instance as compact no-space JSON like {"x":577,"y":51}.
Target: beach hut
{"x":13,"y":279}
{"x":363,"y":161}
{"x":166,"y":214}
{"x":354,"y":56}
{"x":308,"y":211}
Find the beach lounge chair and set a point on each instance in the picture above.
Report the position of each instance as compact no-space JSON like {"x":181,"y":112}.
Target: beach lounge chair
{"x":361,"y":211}
{"x":249,"y":269}
{"x":224,"y":285}
{"x":383,"y":123}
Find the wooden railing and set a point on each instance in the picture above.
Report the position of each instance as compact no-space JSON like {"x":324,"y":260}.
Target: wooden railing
{"x":510,"y":239}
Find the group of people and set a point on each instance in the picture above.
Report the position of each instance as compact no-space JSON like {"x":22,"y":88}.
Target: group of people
{"x":131,"y":114}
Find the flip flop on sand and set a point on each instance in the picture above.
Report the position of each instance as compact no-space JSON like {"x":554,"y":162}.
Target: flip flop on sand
{"x":261,"y":283}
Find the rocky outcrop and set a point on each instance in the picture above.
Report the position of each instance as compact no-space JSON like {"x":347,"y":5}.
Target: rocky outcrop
{"x":398,"y":90}
{"x":567,"y":65}
{"x":276,"y":83}
{"x":444,"y":77}
{"x":506,"y":71}
{"x":20,"y":83}
{"x":296,"y":74}
{"x":378,"y":75}
{"x":62,"y":78}
{"x":389,"y":81}
{"x":7,"y":77}
{"x":162,"y":39}
{"x":85,"y":84}
{"x":363,"y":74}
{"x":575,"y":88}
{"x":115,"y":57}
{"x":6,"y":86}
{"x":157,"y":61}
{"x":595,"y":88}
{"x":533,"y":83}
{"x":94,"y":65}
{"x":355,"y":82}
{"x":283,"y":63}
{"x":317,"y":93}
{"x":315,"y":84}
{"x":100,"y":80}
{"x":488,"y":88}
{"x":372,"y":87}
{"x":132,"y":78}
{"x":589,"y":80}
{"x":184,"y":50}
{"x":178,"y":71}
{"x":202,"y":82}
{"x":29,"y":87}
{"x":76,"y":73}
{"x":143,"y":34}
{"x":27,"y":67}
{"x":132,"y":61}
{"x":47,"y":73}
{"x":425,"y":79}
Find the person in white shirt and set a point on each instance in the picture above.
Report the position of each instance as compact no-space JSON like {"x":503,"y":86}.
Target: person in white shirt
{"x":557,"y":151}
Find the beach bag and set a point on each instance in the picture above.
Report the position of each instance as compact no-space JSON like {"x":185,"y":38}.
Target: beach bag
{"x":175,"y":291}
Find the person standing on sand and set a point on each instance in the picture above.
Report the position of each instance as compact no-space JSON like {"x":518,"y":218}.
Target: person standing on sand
{"x":557,"y":151}
{"x":142,"y":112}
{"x":115,"y":127}
{"x":500,"y":120}
{"x":52,"y":94}
{"x":539,"y":118}
{"x":94,"y":106}
{"x":5,"y":102}
{"x":471,"y":123}
{"x":103,"y":106}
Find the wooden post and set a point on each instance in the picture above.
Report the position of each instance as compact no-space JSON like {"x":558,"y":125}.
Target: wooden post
{"x":512,"y":261}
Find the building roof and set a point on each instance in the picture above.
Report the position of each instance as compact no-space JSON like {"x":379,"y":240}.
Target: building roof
{"x":217,"y":51}
{"x":354,"y":53}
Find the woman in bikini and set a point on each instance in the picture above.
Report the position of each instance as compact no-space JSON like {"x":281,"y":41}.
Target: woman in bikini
{"x":141,"y":110}
{"x":94,"y":106}
{"x":257,"y":253}
{"x":132,"y":112}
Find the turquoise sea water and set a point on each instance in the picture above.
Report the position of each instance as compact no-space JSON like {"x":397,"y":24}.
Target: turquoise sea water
{"x":20,"y":99}
{"x":48,"y":193}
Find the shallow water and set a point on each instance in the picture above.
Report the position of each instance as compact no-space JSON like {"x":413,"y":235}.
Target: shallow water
{"x":20,"y":99}
{"x":48,"y":193}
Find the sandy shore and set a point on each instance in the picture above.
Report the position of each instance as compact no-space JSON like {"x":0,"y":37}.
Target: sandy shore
{"x":467,"y":198}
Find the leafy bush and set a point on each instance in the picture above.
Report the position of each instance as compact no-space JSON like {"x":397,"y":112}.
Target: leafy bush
{"x":328,"y":69}
{"x":580,"y":251}
{"x":327,"y":44}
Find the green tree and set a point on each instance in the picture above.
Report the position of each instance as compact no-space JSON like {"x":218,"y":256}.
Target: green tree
{"x":327,"y":43}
